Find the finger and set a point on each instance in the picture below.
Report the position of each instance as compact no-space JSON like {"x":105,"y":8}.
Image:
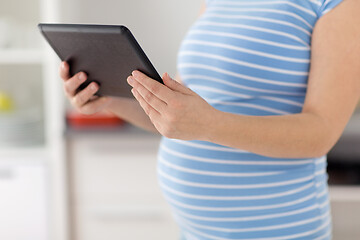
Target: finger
{"x":95,"y":105}
{"x":174,"y":85}
{"x":74,"y":83}
{"x":149,"y":97}
{"x":64,"y":71}
{"x":158,"y":89}
{"x":148,"y":109}
{"x":84,"y":95}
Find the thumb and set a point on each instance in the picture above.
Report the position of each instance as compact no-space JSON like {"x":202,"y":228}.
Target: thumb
{"x":174,"y":85}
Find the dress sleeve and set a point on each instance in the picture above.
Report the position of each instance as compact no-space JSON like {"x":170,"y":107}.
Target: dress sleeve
{"x":326,"y":6}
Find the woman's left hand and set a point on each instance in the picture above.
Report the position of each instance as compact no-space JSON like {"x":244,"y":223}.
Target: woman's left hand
{"x":175,"y":110}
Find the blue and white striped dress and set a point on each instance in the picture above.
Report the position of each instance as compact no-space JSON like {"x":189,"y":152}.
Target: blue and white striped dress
{"x":249,"y":57}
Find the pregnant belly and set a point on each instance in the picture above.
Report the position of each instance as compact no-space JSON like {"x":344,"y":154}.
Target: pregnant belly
{"x":224,"y":192}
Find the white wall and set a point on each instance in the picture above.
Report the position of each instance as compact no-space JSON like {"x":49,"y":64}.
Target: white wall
{"x":158,"y":25}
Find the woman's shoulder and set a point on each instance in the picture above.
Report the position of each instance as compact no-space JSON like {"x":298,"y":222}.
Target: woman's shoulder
{"x":326,"y":5}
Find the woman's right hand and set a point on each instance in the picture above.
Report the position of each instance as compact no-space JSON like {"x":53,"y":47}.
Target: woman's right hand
{"x":84,"y":101}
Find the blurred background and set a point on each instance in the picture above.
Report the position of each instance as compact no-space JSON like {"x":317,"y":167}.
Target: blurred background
{"x":64,"y":176}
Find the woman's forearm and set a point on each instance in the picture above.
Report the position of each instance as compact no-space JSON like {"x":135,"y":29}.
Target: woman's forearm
{"x":289,"y":136}
{"x":180,"y":113}
{"x":130,"y":111}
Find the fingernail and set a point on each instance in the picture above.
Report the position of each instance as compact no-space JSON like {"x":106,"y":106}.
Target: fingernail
{"x":130,"y":80}
{"x":63,"y":65}
{"x":93,"y":86}
{"x":82,"y":76}
{"x":135,"y":74}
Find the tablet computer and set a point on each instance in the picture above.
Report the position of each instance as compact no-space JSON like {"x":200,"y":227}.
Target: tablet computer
{"x":106,"y":53}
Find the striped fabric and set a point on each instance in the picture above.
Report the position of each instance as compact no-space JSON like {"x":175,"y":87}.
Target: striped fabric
{"x":247,"y":57}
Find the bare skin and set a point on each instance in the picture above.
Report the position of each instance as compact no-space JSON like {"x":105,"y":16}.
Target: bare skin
{"x":175,"y":111}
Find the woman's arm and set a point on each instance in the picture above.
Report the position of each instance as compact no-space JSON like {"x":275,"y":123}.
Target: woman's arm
{"x":130,"y":110}
{"x":333,"y":92}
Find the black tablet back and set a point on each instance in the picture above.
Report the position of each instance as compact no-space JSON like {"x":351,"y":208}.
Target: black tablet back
{"x":107,"y":53}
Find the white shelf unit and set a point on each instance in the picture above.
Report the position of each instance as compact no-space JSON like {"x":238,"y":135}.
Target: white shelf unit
{"x":23,"y":152}
{"x":115,"y":194}
{"x":21,"y":56}
{"x":345,"y":211}
{"x":24,"y":207}
{"x":345,"y":194}
{"x":37,"y":56}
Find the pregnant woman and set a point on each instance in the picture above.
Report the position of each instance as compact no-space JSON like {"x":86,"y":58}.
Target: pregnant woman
{"x":264,"y":91}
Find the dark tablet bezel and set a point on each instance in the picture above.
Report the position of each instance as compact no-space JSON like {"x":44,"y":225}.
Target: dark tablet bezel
{"x":67,"y":39}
